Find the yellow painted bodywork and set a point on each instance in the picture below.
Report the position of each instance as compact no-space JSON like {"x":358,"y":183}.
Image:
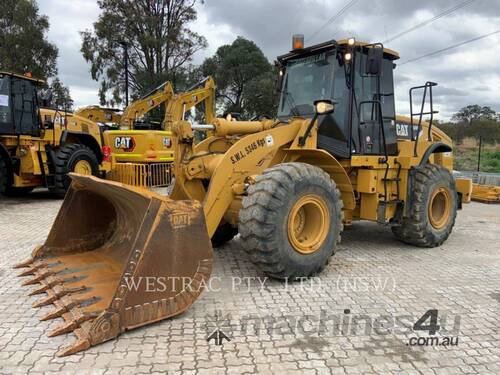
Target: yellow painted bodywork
{"x":30,"y":150}
{"x":485,"y":193}
{"x":132,"y":149}
{"x":238,"y":151}
{"x":100,"y":114}
{"x":146,"y":146}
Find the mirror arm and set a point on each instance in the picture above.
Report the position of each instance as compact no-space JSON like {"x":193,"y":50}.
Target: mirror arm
{"x":302,"y":140}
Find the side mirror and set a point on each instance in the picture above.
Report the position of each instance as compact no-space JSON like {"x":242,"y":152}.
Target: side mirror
{"x":374,"y":60}
{"x":321,"y":107}
{"x":324,"y":107}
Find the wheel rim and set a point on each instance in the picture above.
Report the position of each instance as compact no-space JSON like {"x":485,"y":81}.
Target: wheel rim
{"x":308,"y":224}
{"x":439,"y":208}
{"x":83,"y":167}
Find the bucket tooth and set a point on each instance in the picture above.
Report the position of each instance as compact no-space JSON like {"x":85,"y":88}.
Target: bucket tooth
{"x":57,"y":293}
{"x":40,"y":290}
{"x":24,"y":263}
{"x":44,"y":301}
{"x":63,"y":328}
{"x":56,"y":313}
{"x":48,"y":283}
{"x":73,"y":324}
{"x":39,"y":276}
{"x":77,"y":346}
{"x":63,"y":305}
{"x":31,"y":270}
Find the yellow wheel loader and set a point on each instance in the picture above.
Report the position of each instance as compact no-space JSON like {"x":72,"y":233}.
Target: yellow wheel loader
{"x":335,"y":153}
{"x":39,"y":146}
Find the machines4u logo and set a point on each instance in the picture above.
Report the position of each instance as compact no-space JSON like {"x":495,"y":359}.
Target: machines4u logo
{"x":125,"y":143}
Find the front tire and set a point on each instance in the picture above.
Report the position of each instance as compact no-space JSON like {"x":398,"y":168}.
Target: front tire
{"x":290,"y":221}
{"x":5,"y":177}
{"x":76,"y":158}
{"x":224,"y":233}
{"x":433,"y":208}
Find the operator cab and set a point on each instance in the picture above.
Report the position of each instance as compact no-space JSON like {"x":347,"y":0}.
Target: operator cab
{"x":19,"y":105}
{"x":358,"y":78}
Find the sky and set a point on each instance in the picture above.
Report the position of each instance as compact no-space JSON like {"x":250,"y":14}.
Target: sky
{"x":466,"y":75}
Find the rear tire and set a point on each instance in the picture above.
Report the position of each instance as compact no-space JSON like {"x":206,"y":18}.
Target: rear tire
{"x":433,"y":208}
{"x":290,"y":221}
{"x":72,"y":158}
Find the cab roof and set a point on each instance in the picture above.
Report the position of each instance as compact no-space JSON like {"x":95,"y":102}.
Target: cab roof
{"x":389,"y":53}
{"x":22,"y":76}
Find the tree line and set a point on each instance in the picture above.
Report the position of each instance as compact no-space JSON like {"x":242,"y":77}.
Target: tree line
{"x":160,"y":45}
{"x":473,"y":121}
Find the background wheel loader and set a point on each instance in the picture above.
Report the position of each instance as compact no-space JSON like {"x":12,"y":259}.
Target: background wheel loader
{"x":39,"y":146}
{"x":336,"y":153}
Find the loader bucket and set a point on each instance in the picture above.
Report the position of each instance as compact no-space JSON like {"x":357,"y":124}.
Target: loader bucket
{"x":117,"y":258}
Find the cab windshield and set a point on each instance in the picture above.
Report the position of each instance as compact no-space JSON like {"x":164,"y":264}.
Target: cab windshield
{"x":306,"y":80}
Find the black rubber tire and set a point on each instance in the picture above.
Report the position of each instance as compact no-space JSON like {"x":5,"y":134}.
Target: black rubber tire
{"x":263,"y":220}
{"x":65,"y":160}
{"x":223,"y":234}
{"x":416,"y":228}
{"x":5,"y":177}
{"x":19,"y":191}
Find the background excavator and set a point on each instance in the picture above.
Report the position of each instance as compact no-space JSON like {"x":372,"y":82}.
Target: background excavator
{"x":143,"y":156}
{"x":335,"y":153}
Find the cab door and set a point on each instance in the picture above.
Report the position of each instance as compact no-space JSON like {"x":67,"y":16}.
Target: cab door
{"x":6,"y":122}
{"x":24,"y":107}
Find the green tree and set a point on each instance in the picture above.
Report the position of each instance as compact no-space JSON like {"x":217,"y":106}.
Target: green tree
{"x":245,"y":78}
{"x":61,"y":97}
{"x":156,"y":33}
{"x":474,"y":112}
{"x":488,"y":130}
{"x":23,"y":43}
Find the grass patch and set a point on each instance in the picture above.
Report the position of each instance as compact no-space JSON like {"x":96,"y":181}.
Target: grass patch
{"x":465,"y":159}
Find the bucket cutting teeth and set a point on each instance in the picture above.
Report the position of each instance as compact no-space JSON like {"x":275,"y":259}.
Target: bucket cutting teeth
{"x":31,"y":270}
{"x":76,"y":320}
{"x":48,"y":283}
{"x":24,"y":263}
{"x":39,"y":276}
{"x":65,"y":304}
{"x":56,"y":293}
{"x":77,"y":346}
{"x":58,"y":312}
